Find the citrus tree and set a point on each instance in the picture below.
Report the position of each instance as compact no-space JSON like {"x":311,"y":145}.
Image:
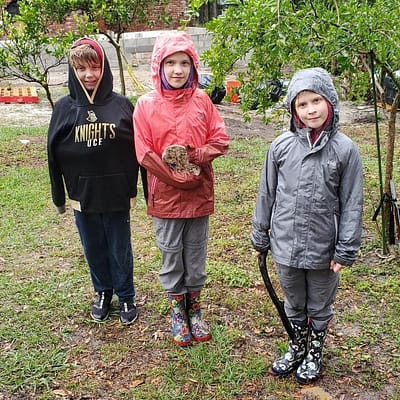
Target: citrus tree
{"x":275,"y":37}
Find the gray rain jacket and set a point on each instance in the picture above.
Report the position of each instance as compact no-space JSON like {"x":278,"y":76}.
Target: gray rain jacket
{"x":310,"y":200}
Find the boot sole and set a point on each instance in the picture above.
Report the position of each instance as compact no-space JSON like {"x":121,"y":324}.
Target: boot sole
{"x":181,"y":344}
{"x":98,"y":319}
{"x":302,"y":381}
{"x":202,"y":339}
{"x":126,"y":323}
{"x":284,"y":374}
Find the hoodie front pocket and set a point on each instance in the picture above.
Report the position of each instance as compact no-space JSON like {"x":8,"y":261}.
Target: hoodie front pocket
{"x":104,"y":193}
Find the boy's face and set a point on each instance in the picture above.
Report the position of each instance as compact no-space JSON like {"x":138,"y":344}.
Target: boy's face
{"x":312,"y":109}
{"x":177,"y":69}
{"x":89,"y":74}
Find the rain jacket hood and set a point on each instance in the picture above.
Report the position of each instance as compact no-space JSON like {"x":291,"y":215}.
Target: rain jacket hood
{"x":167,"y":44}
{"x":104,"y":87}
{"x":315,"y":80}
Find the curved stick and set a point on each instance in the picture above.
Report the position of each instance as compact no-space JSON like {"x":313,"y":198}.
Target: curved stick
{"x":262,"y":263}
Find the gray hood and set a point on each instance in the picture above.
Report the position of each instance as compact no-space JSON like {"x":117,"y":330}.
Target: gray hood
{"x":315,"y":80}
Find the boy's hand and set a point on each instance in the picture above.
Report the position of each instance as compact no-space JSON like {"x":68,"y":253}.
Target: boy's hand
{"x":60,"y":209}
{"x":336,"y":267}
{"x":181,"y":180}
{"x":189,"y":181}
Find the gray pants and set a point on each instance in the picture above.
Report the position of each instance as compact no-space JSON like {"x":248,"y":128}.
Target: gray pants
{"x":309,"y":294}
{"x":183,"y":245}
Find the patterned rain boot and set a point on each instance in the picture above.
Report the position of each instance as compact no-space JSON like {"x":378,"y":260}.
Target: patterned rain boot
{"x":179,"y":324}
{"x":199,"y":328}
{"x":310,"y":369}
{"x":296,"y":351}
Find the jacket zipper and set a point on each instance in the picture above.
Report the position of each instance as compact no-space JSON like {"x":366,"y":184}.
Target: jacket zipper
{"x":152,"y":188}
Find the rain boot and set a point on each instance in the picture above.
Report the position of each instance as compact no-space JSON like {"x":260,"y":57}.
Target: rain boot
{"x":198,"y":327}
{"x":296,"y":351}
{"x":310,"y":369}
{"x":179,"y":323}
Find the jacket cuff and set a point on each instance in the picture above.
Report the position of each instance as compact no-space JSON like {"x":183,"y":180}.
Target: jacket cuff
{"x":342,"y":261}
{"x":259,"y":241}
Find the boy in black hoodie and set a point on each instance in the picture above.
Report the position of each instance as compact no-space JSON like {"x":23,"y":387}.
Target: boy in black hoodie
{"x":91,"y":154}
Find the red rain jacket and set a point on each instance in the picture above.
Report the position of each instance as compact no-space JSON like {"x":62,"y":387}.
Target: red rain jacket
{"x":186,"y":117}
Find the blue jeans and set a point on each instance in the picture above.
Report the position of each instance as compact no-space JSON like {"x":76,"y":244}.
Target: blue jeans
{"x":106,"y":241}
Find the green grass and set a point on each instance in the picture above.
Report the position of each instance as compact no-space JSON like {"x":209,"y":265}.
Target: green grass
{"x":49,"y":347}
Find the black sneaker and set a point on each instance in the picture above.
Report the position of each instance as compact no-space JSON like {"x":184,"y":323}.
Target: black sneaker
{"x":127,"y":312}
{"x":101,"y":307}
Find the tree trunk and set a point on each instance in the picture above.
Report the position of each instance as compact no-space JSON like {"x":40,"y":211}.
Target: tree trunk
{"x":48,"y":94}
{"x":121,"y":70}
{"x":116,"y":45}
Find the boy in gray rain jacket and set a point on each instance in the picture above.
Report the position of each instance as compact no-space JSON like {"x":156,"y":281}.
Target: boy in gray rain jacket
{"x":309,"y":214}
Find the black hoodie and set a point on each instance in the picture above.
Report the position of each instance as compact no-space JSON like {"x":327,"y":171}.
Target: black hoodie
{"x":90,"y":145}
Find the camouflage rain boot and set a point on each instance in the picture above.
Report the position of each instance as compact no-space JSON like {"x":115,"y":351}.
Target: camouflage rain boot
{"x":179,"y":324}
{"x":199,"y":328}
{"x":310,"y":369}
{"x":296,"y":351}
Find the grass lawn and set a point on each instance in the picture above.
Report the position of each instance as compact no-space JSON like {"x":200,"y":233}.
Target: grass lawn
{"x":51,"y":349}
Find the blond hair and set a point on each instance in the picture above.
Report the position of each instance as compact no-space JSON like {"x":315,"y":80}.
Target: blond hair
{"x":83,"y":53}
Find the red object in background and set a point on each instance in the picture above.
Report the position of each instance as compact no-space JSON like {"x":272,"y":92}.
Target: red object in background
{"x":22,"y":94}
{"x":232,"y":91}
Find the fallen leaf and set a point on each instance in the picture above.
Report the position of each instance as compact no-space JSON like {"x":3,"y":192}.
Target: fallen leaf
{"x":62,"y":393}
{"x":136,"y":383}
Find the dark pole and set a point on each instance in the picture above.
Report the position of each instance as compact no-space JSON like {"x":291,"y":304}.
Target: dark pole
{"x":383,"y":230}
